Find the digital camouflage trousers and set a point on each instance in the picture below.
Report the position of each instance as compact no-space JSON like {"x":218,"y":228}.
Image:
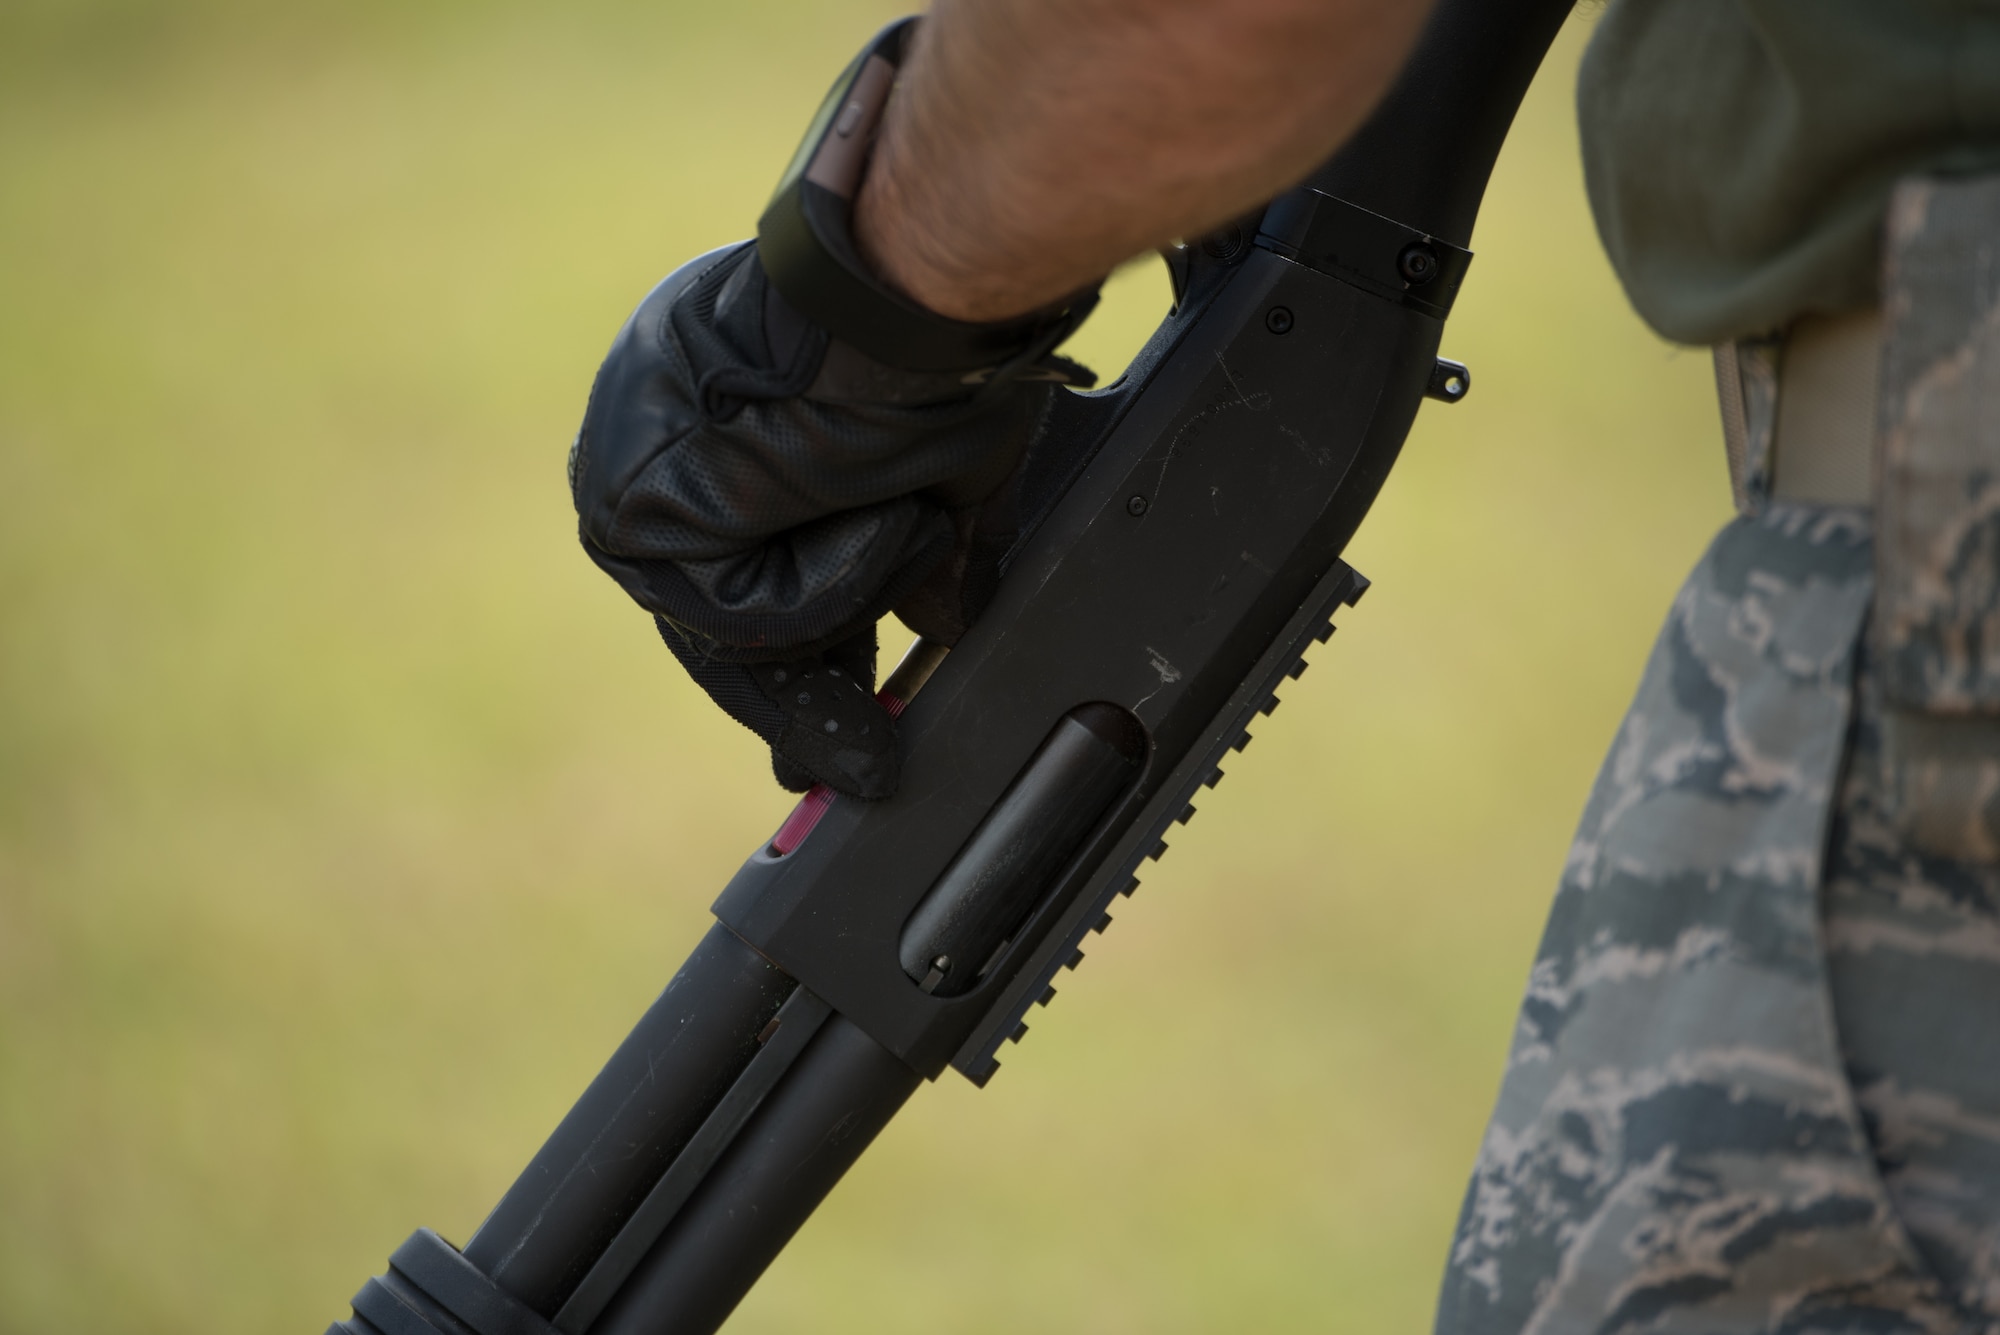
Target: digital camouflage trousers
{"x":1755,"y":1083}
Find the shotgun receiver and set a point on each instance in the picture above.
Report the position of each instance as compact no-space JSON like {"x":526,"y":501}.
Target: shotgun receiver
{"x":1165,"y":593}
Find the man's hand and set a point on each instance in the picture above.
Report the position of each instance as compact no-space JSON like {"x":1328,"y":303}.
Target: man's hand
{"x":769,"y":493}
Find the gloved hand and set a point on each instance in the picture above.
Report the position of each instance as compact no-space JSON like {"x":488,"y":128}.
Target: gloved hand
{"x":769,"y":492}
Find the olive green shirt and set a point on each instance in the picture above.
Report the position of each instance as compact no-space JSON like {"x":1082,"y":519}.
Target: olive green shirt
{"x":1739,"y":153}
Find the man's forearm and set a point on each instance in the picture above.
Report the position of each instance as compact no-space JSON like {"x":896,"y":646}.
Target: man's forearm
{"x":1035,"y":144}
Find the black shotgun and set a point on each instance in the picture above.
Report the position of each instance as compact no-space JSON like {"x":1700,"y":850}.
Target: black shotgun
{"x":1141,"y":626}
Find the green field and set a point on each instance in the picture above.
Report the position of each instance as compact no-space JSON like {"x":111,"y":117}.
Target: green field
{"x":348,"y":816}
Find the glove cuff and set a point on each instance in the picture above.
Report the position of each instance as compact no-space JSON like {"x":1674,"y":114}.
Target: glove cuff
{"x":805,"y":240}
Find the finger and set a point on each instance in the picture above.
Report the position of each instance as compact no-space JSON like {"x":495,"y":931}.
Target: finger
{"x":818,"y":717}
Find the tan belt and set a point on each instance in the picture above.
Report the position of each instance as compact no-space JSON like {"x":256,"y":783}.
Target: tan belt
{"x":1799,"y":413}
{"x":1823,"y":442}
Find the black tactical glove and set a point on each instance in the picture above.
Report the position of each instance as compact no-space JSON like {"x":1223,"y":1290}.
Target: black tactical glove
{"x":769,"y":492}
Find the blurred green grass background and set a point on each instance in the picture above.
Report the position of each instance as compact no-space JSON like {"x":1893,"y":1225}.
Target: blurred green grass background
{"x":348,"y":817}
